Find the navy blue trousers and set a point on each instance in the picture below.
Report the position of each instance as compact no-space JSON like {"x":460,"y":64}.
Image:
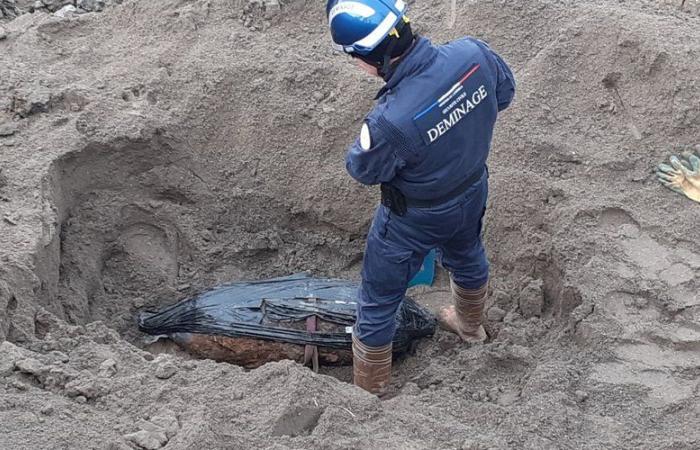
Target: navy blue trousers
{"x":396,"y":246}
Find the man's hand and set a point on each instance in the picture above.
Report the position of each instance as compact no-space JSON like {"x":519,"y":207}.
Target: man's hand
{"x":682,"y":176}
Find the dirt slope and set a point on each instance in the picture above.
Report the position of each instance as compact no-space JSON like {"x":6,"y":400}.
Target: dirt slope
{"x":155,"y":149}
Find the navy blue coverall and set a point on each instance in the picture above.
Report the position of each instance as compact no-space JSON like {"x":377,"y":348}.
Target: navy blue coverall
{"x":430,"y":131}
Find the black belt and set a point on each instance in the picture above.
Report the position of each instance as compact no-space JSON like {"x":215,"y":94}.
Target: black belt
{"x":394,"y":199}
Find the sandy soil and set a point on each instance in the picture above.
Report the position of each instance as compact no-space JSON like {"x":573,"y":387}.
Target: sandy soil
{"x":155,"y":149}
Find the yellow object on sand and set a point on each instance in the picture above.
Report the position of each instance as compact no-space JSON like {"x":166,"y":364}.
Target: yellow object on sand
{"x":682,"y":176}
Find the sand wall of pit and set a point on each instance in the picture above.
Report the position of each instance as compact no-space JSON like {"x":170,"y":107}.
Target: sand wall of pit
{"x":203,"y":164}
{"x":160,"y":148}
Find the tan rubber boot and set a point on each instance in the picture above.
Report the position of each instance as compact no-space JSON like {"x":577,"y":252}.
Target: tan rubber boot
{"x":465,"y":317}
{"x":371,"y":367}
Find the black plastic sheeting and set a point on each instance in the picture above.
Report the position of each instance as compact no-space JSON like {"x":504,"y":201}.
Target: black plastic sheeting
{"x":266,"y":310}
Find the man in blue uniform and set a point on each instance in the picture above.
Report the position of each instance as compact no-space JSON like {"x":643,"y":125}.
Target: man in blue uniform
{"x":426,"y":143}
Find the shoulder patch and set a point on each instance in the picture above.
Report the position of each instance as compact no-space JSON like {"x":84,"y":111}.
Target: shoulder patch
{"x":365,"y":138}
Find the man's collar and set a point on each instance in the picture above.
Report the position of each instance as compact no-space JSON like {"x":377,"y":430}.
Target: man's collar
{"x":421,"y":54}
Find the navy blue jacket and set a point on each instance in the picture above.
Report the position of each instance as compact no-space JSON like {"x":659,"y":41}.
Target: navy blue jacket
{"x":433,"y":122}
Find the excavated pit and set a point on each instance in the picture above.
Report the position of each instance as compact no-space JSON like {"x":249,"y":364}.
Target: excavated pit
{"x":141,"y":228}
{"x":143,"y":225}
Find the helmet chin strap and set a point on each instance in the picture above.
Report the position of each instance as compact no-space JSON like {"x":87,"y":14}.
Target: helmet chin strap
{"x":385,"y":68}
{"x":381,"y":57}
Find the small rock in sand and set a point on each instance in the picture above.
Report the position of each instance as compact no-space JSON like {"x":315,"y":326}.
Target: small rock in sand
{"x":30,"y":366}
{"x":165,"y":371}
{"x":67,"y":11}
{"x":7,"y":129}
{"x":9,"y":353}
{"x":532,"y":299}
{"x":108,"y":368}
{"x":60,"y":356}
{"x":164,"y":368}
{"x":165,"y":422}
{"x":91,"y":5}
{"x":149,"y":440}
{"x":496,"y":314}
{"x":19,"y":385}
{"x":88,"y":388}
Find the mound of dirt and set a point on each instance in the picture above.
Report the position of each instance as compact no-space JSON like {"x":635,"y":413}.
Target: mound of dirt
{"x":157,"y":149}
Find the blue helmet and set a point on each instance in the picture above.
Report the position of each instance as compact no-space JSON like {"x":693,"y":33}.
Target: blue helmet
{"x":360,"y":26}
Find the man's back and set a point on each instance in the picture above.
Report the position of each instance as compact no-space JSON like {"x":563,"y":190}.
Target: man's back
{"x":437,"y":113}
